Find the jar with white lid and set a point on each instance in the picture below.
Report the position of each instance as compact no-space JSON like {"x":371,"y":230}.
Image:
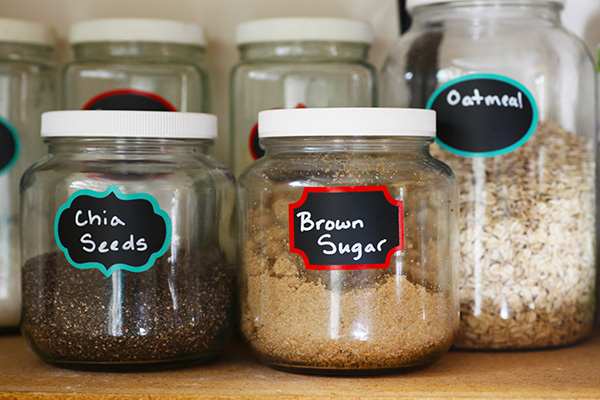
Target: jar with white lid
{"x":296,"y":63}
{"x":27,"y":88}
{"x":348,"y":230}
{"x":137,"y":64}
{"x":127,"y":259}
{"x":516,"y":105}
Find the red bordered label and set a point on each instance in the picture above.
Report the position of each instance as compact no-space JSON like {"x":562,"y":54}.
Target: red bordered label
{"x":128,"y":99}
{"x":256,"y":149}
{"x":346,"y":228}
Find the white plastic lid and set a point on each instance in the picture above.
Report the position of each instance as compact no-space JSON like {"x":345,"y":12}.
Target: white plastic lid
{"x":310,"y":122}
{"x":137,"y":124}
{"x":315,"y":29}
{"x":19,"y":31}
{"x":411,"y":4}
{"x":136,"y":30}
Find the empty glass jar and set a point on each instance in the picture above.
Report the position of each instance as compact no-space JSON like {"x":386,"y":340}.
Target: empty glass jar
{"x":296,"y":63}
{"x":27,"y":88}
{"x":516,"y":106}
{"x":136,"y":64}
{"x":349,"y":242}
{"x":128,"y":260}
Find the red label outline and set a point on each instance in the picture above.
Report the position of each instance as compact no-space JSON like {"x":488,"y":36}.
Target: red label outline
{"x":254,"y":133}
{"x":129,"y":91}
{"x":338,"y":189}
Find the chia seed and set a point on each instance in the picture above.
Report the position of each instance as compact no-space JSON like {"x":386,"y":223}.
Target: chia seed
{"x":176,"y":313}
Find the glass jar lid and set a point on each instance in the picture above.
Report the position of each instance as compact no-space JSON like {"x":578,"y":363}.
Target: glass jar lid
{"x":133,"y":124}
{"x":304,"y":29}
{"x":311,"y":122}
{"x":27,"y":32}
{"x":137,"y":30}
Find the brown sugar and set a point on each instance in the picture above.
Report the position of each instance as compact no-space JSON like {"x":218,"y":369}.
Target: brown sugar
{"x":374,"y":319}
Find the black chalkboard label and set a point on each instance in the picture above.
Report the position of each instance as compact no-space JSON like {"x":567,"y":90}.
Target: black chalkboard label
{"x":346,"y":228}
{"x":111,"y":231}
{"x":257,"y":150}
{"x":128,"y":99}
{"x":9,"y":146}
{"x":483,"y":115}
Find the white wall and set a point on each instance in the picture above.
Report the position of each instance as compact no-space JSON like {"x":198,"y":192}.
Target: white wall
{"x":219,"y":18}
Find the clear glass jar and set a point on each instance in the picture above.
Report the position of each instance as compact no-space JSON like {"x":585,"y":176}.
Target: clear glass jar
{"x":348,"y":242}
{"x":137,"y":64}
{"x":128,"y":261}
{"x":296,"y":63}
{"x":27,"y":88}
{"x":517,"y":123}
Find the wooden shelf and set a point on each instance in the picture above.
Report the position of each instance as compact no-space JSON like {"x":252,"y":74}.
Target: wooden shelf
{"x":567,"y":373}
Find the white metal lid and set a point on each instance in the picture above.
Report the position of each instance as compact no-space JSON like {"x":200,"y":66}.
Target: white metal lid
{"x":411,"y":4}
{"x":19,"y":31}
{"x":310,"y":122}
{"x":304,"y":28}
{"x":137,"y":124}
{"x":136,"y":30}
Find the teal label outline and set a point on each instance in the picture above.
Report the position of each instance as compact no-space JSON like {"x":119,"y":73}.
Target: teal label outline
{"x":15,"y":135}
{"x":510,"y":81}
{"x":115,"y":267}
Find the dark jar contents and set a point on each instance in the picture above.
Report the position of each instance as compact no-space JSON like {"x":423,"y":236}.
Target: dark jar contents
{"x":348,"y":243}
{"x":128,"y":264}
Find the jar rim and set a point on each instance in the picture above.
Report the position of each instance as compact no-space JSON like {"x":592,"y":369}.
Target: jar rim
{"x":347,"y":121}
{"x":130,"y":124}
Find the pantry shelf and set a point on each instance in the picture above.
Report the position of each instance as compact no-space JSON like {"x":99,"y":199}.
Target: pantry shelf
{"x":566,"y":373}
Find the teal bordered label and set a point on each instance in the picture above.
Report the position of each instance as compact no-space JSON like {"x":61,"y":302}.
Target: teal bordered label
{"x":10,"y":146}
{"x":483,"y":115}
{"x":112,"y":231}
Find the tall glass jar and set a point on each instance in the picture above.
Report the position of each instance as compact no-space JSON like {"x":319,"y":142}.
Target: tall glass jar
{"x":137,"y":64}
{"x":517,"y":119}
{"x":348,"y":242}
{"x":296,"y":63}
{"x":27,"y":88}
{"x":128,"y":260}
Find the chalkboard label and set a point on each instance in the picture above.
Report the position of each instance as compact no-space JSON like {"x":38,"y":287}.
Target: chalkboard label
{"x":111,"y":231}
{"x":346,"y":228}
{"x":128,"y":99}
{"x":257,"y":150}
{"x":9,"y":146}
{"x":483,"y":115}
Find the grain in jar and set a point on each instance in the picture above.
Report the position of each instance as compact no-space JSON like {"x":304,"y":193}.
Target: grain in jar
{"x":348,"y":242}
{"x":517,"y":121}
{"x":127,"y":253}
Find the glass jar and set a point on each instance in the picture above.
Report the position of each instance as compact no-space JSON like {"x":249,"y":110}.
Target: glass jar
{"x":517,"y":123}
{"x":137,"y":64}
{"x":27,"y":88}
{"x":349,"y":244}
{"x":296,"y":63}
{"x":127,"y":256}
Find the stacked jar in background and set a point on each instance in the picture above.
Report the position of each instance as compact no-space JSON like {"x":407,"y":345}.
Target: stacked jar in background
{"x":27,"y":88}
{"x":517,"y":122}
{"x":295,"y":63}
{"x":136,"y":64}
